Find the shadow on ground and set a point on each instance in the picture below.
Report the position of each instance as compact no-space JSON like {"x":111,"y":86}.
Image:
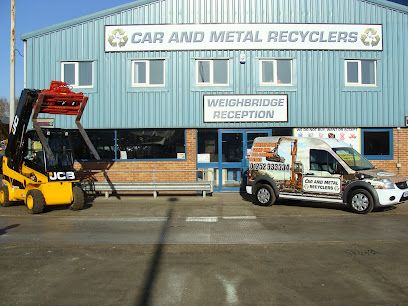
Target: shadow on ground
{"x":5,"y":229}
{"x":153,"y":271}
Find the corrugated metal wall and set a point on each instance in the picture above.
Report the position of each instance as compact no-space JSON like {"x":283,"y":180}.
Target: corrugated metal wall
{"x":319,"y":98}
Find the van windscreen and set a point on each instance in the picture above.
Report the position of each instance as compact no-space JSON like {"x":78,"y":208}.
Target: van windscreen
{"x":353,"y":159}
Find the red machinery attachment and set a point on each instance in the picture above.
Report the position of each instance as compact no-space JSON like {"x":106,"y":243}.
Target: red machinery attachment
{"x":61,"y":100}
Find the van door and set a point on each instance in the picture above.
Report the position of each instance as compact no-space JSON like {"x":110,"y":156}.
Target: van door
{"x":324,"y":175}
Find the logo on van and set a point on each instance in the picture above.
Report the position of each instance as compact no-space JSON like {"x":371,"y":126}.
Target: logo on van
{"x":118,"y":38}
{"x":370,"y":37}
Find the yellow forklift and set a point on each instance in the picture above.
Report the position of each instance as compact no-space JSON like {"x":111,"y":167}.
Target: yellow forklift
{"x":38,"y":165}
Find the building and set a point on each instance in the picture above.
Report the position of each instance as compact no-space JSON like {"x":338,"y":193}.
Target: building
{"x":177,"y":86}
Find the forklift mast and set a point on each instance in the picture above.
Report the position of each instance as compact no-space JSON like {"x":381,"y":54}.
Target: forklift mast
{"x":15,"y":144}
{"x":57,"y":100}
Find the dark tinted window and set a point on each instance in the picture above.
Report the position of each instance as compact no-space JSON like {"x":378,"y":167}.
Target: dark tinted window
{"x":282,"y":132}
{"x":377,"y":143}
{"x":321,"y":160}
{"x":208,"y":144}
{"x":103,"y":141}
{"x":151,"y":144}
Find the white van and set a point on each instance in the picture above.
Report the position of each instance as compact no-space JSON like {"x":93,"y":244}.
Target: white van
{"x":324,"y":170}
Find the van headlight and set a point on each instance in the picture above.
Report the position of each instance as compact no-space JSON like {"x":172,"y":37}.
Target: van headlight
{"x":383,"y":184}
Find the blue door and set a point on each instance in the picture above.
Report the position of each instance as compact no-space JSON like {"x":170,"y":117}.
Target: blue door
{"x":233,"y":146}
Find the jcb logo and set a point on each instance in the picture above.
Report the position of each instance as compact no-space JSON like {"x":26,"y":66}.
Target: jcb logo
{"x":61,"y":176}
{"x":14,"y":125}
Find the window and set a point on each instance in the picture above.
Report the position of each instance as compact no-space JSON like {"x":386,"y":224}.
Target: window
{"x":282,"y":131}
{"x":213,"y":72}
{"x":361,"y":72}
{"x":148,"y":73}
{"x":78,"y":74}
{"x":207,"y":145}
{"x":377,"y":143}
{"x":151,"y":144}
{"x":321,"y":160}
{"x":103,"y":141}
{"x":353,"y":159}
{"x":277,"y":72}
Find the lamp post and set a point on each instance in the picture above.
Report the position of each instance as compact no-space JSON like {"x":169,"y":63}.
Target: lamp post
{"x":12,"y":62}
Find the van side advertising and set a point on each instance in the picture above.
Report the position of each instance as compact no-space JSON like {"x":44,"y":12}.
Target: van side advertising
{"x":325,"y":170}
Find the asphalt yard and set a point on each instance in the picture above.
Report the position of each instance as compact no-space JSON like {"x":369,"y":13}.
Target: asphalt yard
{"x":186,"y":250}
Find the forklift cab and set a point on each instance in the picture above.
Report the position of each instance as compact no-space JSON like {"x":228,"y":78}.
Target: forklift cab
{"x":37,"y":158}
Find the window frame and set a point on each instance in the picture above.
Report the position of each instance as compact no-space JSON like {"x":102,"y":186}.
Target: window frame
{"x":76,"y":73}
{"x":147,"y":84}
{"x":211,"y":83}
{"x":275,"y":72}
{"x":390,"y":156}
{"x":360,"y":73}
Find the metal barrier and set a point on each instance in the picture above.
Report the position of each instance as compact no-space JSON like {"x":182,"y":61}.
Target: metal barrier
{"x":154,"y":184}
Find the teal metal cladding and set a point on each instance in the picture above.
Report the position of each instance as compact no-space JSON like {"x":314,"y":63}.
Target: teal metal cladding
{"x":318,"y":99}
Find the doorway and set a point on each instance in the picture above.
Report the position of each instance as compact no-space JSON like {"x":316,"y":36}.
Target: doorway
{"x":233,"y":146}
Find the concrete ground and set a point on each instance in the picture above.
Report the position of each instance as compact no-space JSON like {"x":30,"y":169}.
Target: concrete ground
{"x":185,"y":250}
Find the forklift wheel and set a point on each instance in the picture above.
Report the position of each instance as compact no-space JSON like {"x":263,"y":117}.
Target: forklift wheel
{"x":79,"y":198}
{"x":4,"y":196}
{"x":35,"y":201}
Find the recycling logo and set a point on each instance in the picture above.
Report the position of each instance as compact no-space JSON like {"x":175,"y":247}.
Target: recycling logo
{"x":370,"y":37}
{"x":118,"y":38}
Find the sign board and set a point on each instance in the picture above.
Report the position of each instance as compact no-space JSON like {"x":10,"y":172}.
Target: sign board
{"x":245,"y":108}
{"x":321,"y":184}
{"x":203,"y":158}
{"x":252,"y":36}
{"x":350,"y":136}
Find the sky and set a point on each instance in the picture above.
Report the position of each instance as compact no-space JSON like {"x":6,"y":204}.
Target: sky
{"x":33,"y":15}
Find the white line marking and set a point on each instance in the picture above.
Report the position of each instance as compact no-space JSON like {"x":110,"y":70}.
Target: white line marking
{"x":127,"y":219}
{"x":230,"y":290}
{"x":239,"y":217}
{"x":202,"y":219}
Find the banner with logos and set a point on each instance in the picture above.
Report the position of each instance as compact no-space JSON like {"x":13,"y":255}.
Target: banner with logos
{"x":253,"y":36}
{"x":348,"y":135}
{"x":245,"y":108}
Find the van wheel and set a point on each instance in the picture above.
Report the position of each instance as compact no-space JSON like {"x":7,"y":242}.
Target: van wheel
{"x":79,"y":199}
{"x":264,"y":195}
{"x":35,"y":201}
{"x":4,"y":196}
{"x":361,"y":201}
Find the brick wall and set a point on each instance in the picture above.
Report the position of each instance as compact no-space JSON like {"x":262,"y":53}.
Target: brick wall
{"x":155,"y":171}
{"x":400,"y":151}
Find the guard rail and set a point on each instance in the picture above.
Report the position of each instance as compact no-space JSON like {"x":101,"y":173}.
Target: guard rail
{"x":108,"y":187}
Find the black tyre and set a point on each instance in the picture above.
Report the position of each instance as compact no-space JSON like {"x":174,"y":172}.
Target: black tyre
{"x":360,"y":201}
{"x":4,"y":196}
{"x":264,"y":195}
{"x":79,"y":198}
{"x":35,"y":201}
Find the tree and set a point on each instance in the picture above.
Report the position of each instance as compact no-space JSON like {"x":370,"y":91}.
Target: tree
{"x":4,"y":118}
{"x":4,"y":109}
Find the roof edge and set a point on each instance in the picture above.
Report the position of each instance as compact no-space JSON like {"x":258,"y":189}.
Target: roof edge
{"x":389,"y":4}
{"x":25,"y":36}
{"x":85,"y":18}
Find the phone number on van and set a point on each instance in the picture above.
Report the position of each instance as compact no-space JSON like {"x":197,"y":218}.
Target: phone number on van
{"x":265,"y":166}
